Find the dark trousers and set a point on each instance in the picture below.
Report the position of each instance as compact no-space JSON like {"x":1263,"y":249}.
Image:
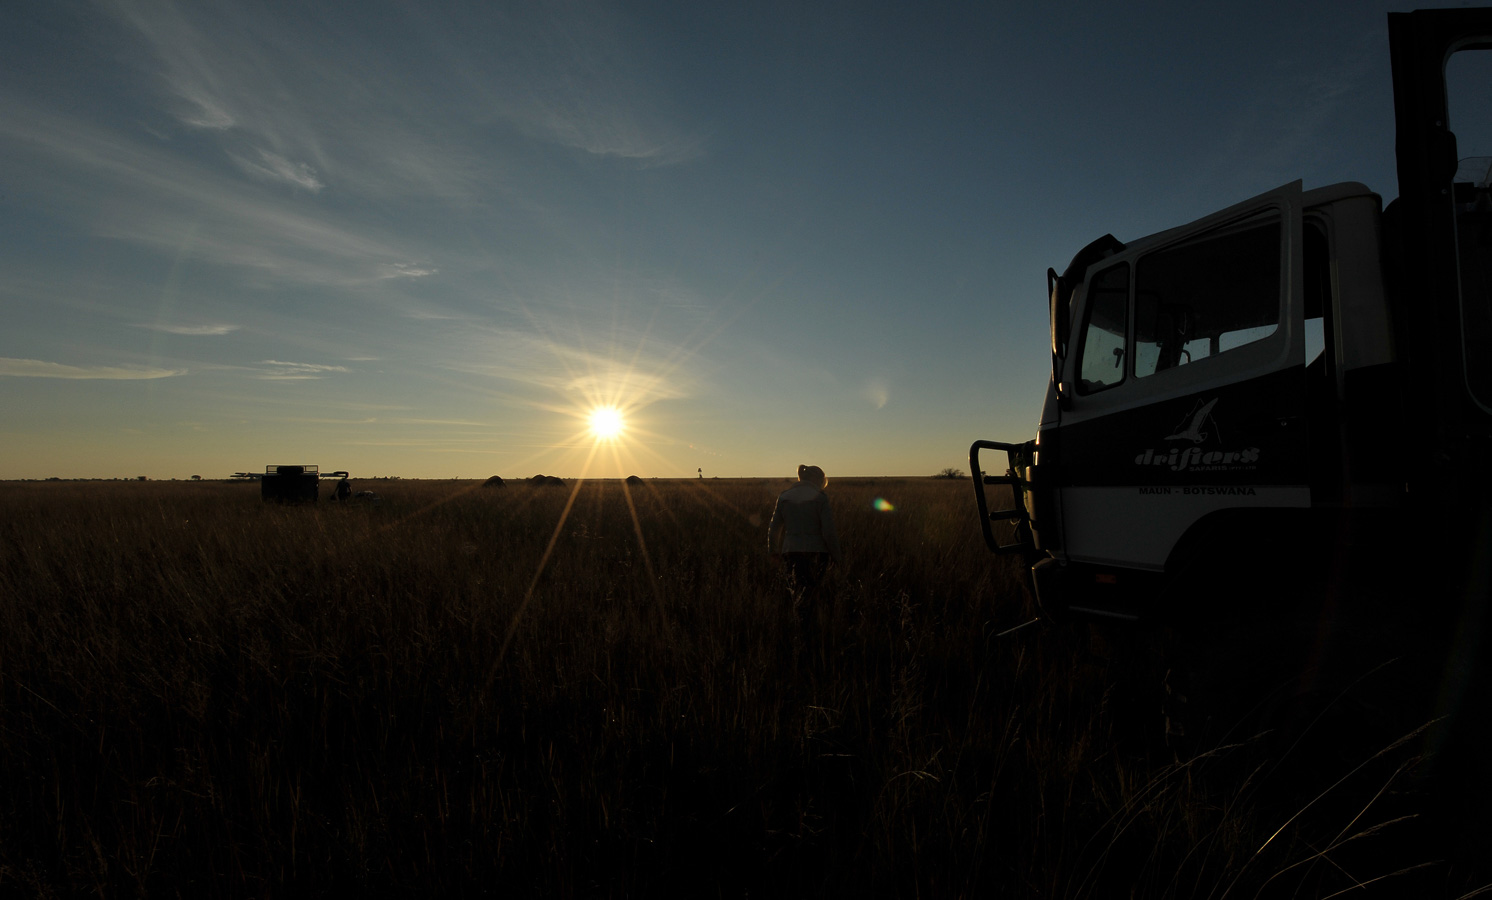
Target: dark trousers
{"x":805,"y":572}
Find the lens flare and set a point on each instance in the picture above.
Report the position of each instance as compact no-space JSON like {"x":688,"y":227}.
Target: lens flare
{"x":882,"y":504}
{"x":607,"y":423}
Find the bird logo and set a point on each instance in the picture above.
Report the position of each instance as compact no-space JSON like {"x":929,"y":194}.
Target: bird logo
{"x":1191,"y":425}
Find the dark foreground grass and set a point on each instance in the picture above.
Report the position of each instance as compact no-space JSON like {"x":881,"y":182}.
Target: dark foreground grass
{"x":200,"y":694}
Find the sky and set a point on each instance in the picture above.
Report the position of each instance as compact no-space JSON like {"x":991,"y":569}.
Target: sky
{"x":428,"y":240}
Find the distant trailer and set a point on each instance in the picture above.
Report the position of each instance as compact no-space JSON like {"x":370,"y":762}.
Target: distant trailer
{"x":292,"y":484}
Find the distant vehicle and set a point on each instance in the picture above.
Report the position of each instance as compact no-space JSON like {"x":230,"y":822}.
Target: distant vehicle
{"x":293,"y":484}
{"x":1290,"y":362}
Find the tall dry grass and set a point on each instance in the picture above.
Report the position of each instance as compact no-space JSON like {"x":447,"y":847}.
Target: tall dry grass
{"x":200,"y":693}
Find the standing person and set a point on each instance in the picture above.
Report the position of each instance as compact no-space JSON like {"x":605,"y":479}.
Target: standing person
{"x":809,"y":542}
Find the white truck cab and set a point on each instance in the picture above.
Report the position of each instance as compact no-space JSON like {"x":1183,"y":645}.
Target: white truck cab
{"x":1295,"y":360}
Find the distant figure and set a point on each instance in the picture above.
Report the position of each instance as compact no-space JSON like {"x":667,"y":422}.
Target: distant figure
{"x":342,"y":491}
{"x":810,"y":545}
{"x":701,"y":472}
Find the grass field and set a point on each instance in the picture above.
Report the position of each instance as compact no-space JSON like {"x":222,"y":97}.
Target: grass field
{"x":604,"y":692}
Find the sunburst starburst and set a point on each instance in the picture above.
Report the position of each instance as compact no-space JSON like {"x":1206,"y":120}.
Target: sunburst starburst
{"x":607,"y":423}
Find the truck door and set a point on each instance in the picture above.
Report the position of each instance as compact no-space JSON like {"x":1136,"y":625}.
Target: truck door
{"x":1445,"y":243}
{"x":1184,"y":384}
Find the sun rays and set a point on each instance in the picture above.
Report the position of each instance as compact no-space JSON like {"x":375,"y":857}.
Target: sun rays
{"x":607,"y":423}
{"x":601,"y":409}
{"x":607,"y":396}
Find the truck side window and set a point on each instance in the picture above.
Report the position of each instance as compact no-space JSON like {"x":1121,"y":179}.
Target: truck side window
{"x":1101,"y":360}
{"x":1208,"y":296}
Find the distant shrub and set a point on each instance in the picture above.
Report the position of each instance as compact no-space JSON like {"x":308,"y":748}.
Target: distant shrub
{"x":950,"y":473}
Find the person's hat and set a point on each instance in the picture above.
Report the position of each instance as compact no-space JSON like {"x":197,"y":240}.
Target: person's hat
{"x":813,"y":475}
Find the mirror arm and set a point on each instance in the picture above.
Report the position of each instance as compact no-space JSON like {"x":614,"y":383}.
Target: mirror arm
{"x":1057,"y":297}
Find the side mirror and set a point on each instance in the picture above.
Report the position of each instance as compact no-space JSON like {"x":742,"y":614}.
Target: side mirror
{"x":1057,"y":295}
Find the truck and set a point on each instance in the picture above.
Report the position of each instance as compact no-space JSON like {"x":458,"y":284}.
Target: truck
{"x":1303,"y":363}
{"x":293,"y":483}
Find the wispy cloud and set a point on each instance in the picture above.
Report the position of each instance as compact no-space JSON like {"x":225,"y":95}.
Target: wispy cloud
{"x":199,"y":330}
{"x":600,"y":126}
{"x":36,"y":368}
{"x":294,"y":371}
{"x":144,"y":194}
{"x":274,"y":167}
{"x":405,"y":270}
{"x":282,"y":101}
{"x":1280,"y":128}
{"x":634,"y":377}
{"x":575,"y":75}
{"x":289,"y":101}
{"x":191,"y":70}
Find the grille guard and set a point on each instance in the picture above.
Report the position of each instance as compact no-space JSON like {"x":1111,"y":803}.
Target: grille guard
{"x":1019,"y":459}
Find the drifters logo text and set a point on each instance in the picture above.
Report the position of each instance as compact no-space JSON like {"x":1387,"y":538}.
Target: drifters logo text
{"x":1206,"y":452}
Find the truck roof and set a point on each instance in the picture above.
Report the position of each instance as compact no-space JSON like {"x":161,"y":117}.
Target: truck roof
{"x":1315,"y":197}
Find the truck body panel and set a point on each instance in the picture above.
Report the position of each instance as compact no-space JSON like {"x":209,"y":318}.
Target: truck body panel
{"x":1303,"y":353}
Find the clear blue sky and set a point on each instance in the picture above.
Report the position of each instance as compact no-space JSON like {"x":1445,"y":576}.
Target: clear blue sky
{"x":425,"y":239}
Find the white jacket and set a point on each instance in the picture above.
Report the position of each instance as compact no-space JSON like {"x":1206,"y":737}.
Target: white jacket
{"x":802,"y":512}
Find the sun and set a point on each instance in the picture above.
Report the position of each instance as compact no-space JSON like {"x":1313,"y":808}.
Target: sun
{"x":607,"y":423}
